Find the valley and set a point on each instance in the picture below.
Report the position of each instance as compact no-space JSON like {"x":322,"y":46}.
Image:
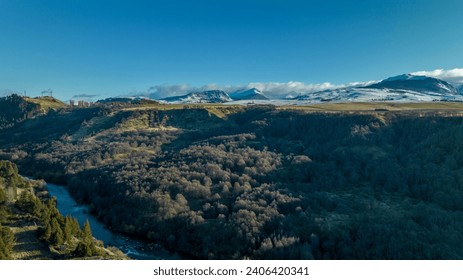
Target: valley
{"x":218,"y":181}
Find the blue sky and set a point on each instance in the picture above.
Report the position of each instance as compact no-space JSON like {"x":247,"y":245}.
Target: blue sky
{"x":110,"y":48}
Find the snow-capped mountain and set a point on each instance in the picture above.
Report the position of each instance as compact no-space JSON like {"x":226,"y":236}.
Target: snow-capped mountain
{"x":208,"y":96}
{"x":364,"y":94}
{"x":249,"y":94}
{"x":292,"y":94}
{"x":416,"y":83}
{"x":403,"y":88}
{"x":460,"y":89}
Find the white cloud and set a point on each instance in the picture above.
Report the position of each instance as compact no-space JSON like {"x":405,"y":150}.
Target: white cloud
{"x":292,"y":88}
{"x":161,"y":91}
{"x":452,"y":75}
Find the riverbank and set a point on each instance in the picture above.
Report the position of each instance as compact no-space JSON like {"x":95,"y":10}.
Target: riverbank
{"x":32,"y":228}
{"x":132,"y":247}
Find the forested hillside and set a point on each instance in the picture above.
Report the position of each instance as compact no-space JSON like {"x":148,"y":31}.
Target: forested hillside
{"x":259,"y":182}
{"x":31,"y":226}
{"x":15,"y":109}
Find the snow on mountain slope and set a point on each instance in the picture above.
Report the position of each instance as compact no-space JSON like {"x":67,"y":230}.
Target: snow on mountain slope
{"x":405,"y":77}
{"x":208,"y":96}
{"x":460,"y":89}
{"x":249,"y":94}
{"x":402,"y":88}
{"x":375,"y":95}
{"x":416,"y":83}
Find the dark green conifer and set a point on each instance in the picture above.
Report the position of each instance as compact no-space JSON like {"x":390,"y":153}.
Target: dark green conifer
{"x":87,"y":232}
{"x":7,"y":241}
{"x":57,"y":236}
{"x":47,"y":231}
{"x":67,"y":229}
{"x":86,"y":247}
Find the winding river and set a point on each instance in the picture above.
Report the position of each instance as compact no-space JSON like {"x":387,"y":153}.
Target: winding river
{"x":133,"y":248}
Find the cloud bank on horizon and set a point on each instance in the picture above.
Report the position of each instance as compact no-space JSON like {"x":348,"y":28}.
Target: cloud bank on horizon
{"x":270,"y":89}
{"x":453,"y":75}
{"x":292,"y":88}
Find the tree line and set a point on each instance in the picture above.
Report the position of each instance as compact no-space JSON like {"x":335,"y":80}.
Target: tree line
{"x":266,"y":183}
{"x":63,"y":234}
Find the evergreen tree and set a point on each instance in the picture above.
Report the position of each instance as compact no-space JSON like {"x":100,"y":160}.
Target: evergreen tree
{"x":26,"y":202}
{"x":38,"y":207}
{"x":67,"y":229}
{"x":87,"y":236}
{"x":51,"y":205}
{"x":45,"y":217}
{"x":57,"y":236}
{"x":86,"y":247}
{"x":2,"y":196}
{"x":47,"y":232}
{"x":7,"y":241}
{"x":84,"y":250}
{"x":75,"y":228}
{"x":3,"y":210}
{"x":4,"y":255}
{"x":9,"y":171}
{"x":3,"y":214}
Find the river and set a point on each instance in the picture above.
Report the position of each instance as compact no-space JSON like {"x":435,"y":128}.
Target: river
{"x":133,"y":248}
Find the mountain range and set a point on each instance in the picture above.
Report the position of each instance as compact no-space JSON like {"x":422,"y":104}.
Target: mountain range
{"x":208,"y":96}
{"x":401,"y":88}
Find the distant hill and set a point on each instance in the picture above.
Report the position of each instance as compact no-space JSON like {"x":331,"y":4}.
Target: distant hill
{"x":208,"y":96}
{"x":416,"y":83}
{"x":46,"y":103}
{"x":128,"y":100}
{"x":402,"y":88}
{"x":249,"y":94}
{"x":15,"y":108}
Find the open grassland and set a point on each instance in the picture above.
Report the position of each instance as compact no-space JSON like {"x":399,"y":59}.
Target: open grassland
{"x":219,"y":110}
{"x":378,"y":106}
{"x":223,"y":110}
{"x":46,"y":102}
{"x":28,"y":245}
{"x":172,"y":117}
